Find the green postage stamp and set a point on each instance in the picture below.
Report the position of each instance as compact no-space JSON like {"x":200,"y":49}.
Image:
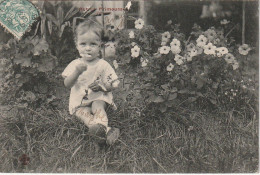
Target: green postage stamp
{"x":16,"y":16}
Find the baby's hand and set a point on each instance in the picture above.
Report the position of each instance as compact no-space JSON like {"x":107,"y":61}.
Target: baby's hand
{"x":81,"y":68}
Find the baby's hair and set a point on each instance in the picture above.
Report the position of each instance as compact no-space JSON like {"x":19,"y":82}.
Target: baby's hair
{"x":89,"y":25}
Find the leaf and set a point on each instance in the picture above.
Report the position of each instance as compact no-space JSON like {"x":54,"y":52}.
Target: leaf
{"x":71,"y":13}
{"x":61,"y":30}
{"x":43,"y":27}
{"x":158,"y":99}
{"x":174,"y":89}
{"x":22,"y":60}
{"x":49,"y":23}
{"x":172,"y":96}
{"x":60,"y":15}
{"x":51,"y":18}
{"x":199,"y":83}
{"x":213,"y":101}
{"x":192,"y":99}
{"x":41,"y":46}
{"x":163,"y":108}
{"x":165,"y":86}
{"x":47,"y":64}
{"x":183,"y":91}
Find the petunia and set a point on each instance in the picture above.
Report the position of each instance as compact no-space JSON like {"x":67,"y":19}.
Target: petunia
{"x":170,"y":67}
{"x":175,"y":42}
{"x":178,"y":59}
{"x":193,"y":52}
{"x":190,"y":46}
{"x":244,"y":49}
{"x":135,"y":51}
{"x":221,"y":51}
{"x":175,"y":49}
{"x":115,"y":64}
{"x":188,"y":57}
{"x":201,"y":41}
{"x":166,"y":35}
{"x":169,"y":22}
{"x":209,"y":49}
{"x":235,"y":65}
{"x":229,"y":58}
{"x":144,"y":62}
{"x":165,"y":49}
{"x":131,"y":35}
{"x":210,"y":34}
{"x":139,"y":23}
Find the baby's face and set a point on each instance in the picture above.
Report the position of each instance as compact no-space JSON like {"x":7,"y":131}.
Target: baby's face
{"x":88,"y":45}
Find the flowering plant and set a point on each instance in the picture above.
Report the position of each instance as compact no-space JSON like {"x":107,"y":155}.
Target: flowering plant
{"x":169,"y":68}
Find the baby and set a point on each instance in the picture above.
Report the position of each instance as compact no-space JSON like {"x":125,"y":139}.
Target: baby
{"x":91,"y":80}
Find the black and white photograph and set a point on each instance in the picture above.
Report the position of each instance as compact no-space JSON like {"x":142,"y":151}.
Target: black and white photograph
{"x":129,"y":86}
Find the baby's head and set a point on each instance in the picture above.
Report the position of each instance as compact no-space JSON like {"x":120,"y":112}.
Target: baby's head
{"x":88,"y":39}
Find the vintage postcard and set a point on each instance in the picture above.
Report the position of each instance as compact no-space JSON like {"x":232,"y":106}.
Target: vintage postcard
{"x":129,"y":86}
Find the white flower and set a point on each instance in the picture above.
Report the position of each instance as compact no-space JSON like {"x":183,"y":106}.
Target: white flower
{"x":170,"y":67}
{"x":169,"y":22}
{"x":175,"y":49}
{"x":188,"y":57}
{"x":201,"y":41}
{"x":115,"y":64}
{"x":193,"y":52}
{"x":229,"y":58}
{"x":210,"y":34}
{"x":209,"y":49}
{"x":131,"y":34}
{"x":165,"y":49}
{"x":163,"y":43}
{"x":175,"y":43}
{"x":224,"y":22}
{"x":135,"y":51}
{"x":144,"y":62}
{"x":166,"y":35}
{"x":139,"y":23}
{"x":244,"y":49}
{"x":178,"y":59}
{"x":235,"y":65}
{"x":221,"y":51}
{"x":133,"y":44}
{"x":190,"y":46}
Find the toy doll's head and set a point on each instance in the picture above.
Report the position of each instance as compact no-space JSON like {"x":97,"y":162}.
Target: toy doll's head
{"x":88,"y":40}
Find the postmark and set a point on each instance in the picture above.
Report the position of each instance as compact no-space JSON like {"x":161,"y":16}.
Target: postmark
{"x":16,"y":16}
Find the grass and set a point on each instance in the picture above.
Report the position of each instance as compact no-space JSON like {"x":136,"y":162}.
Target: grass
{"x":185,"y":141}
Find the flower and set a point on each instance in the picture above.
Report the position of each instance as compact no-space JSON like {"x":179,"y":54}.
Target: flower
{"x":133,"y":44}
{"x":115,"y":64}
{"x":221,"y":51}
{"x":210,"y":34}
{"x":244,"y":49}
{"x":209,"y":49}
{"x":229,"y":58}
{"x":193,"y":52}
{"x":201,"y":41}
{"x":175,"y":42}
{"x":224,"y":22}
{"x":170,"y":67}
{"x":190,"y":46}
{"x":163,"y":43}
{"x":144,"y":62}
{"x":110,"y":49}
{"x":188,"y":57}
{"x":175,"y":49}
{"x":139,"y":23}
{"x":165,"y":49}
{"x":135,"y":51}
{"x":169,"y":22}
{"x":178,"y":59}
{"x":131,"y":34}
{"x":235,"y":65}
{"x":166,"y":35}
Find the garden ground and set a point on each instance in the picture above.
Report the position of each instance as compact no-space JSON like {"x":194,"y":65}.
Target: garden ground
{"x":188,"y":140}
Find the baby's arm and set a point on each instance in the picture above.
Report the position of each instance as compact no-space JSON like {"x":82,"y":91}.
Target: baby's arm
{"x":70,"y":80}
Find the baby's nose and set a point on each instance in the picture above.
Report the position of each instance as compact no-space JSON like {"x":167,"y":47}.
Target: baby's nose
{"x":87,"y":47}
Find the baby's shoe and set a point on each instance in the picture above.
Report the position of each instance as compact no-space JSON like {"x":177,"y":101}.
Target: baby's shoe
{"x":98,"y":132}
{"x":112,"y":135}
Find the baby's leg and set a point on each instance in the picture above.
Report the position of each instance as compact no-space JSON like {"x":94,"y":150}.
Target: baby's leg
{"x":84,"y":114}
{"x":100,"y":115}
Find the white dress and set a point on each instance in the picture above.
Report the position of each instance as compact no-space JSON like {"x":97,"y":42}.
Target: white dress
{"x":101,"y":70}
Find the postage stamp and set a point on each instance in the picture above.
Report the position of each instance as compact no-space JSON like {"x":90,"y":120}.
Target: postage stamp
{"x":17,"y":16}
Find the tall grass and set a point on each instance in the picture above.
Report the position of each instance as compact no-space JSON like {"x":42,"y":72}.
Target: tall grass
{"x":184,"y":141}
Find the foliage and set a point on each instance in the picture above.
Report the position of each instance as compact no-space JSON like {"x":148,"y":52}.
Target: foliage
{"x":167,"y":69}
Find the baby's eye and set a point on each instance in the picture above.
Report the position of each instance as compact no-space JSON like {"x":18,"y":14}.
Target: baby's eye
{"x":82,"y":44}
{"x":93,"y":44}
